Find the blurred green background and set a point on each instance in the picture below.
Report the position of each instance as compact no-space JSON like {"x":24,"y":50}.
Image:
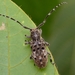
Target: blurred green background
{"x":59,"y":30}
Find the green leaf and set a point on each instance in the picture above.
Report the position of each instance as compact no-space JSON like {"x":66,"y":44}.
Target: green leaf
{"x":14,"y":55}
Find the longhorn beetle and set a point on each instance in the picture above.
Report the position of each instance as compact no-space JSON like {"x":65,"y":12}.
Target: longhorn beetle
{"x":37,"y":43}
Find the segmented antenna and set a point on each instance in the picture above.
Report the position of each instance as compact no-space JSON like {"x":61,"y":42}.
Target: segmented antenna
{"x":41,"y":24}
{"x":15,"y":21}
{"x":44,"y":21}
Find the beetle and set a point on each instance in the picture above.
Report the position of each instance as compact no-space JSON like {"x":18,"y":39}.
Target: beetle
{"x":37,"y":43}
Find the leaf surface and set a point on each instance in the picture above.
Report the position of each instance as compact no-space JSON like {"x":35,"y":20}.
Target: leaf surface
{"x":14,"y":55}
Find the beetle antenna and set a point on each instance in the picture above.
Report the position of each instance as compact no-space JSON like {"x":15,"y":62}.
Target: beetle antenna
{"x":44,"y":21}
{"x":15,"y":21}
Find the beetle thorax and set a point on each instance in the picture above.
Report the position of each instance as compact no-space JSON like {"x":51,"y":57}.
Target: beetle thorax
{"x":35,"y":34}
